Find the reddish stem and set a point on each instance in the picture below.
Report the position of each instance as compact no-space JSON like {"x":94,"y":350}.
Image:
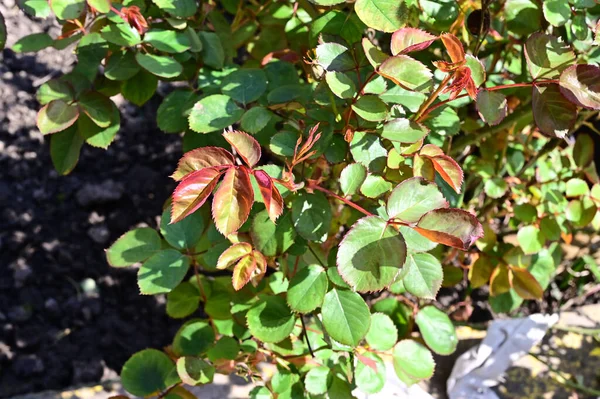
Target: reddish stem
{"x":500,"y":87}
{"x":315,"y":186}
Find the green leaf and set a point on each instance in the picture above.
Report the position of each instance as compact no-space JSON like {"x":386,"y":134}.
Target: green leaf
{"x":443,"y":120}
{"x":178,"y":8}
{"x":413,"y":198}
{"x":382,"y":335}
{"x":64,"y":150}
{"x":245,"y":85}
{"x":212,"y":52}
{"x":165,"y":67}
{"x":121,"y":65}
{"x":194,"y":40}
{"x":269,"y":238}
{"x":214,"y":112}
{"x":162,"y":272}
{"x":437,"y":330}
{"x":496,"y":187}
{"x":337,"y":23}
{"x":340,"y":84}
{"x":140,"y":88}
{"x":96,"y":136}
{"x":33,"y":43}
{"x":407,"y":72}
{"x":531,"y":239}
{"x":260,"y":392}
{"x":271,"y":320}
{"x":583,"y":150}
{"x":477,"y":70}
{"x":194,"y":371}
{"x":54,"y":90}
{"x":284,"y":143}
{"x":370,"y":108}
{"x":183,"y":300}
{"x":148,"y":372}
{"x":311,"y":214}
{"x":307,"y":289}
{"x":169,"y":41}
{"x":580,"y":84}
{"x":102,"y":6}
{"x":121,"y":34}
{"x":440,"y":14}
{"x":334,"y":57}
{"x":491,"y":106}
{"x":184,"y":234}
{"x":371,"y":255}
{"x":352,"y":177}
{"x":579,"y":27}
{"x":375,"y":56}
{"x":56,"y":116}
{"x":554,"y":115}
{"x":256,"y":119}
{"x":193,"y":338}
{"x":577,"y":187}
{"x":413,"y":362}
{"x":423,"y":276}
{"x":35,"y":8}
{"x":134,"y":246}
{"x":370,"y":378}
{"x":97,"y":107}
{"x":383,"y":15}
{"x":547,"y":56}
{"x":403,"y":130}
{"x":67,"y":9}
{"x":375,"y":186}
{"x":173,"y":112}
{"x":415,"y":242}
{"x":225,"y":348}
{"x":346,"y":316}
{"x":523,"y":17}
{"x":557,"y":12}
{"x":412,"y":100}
{"x":317,"y":380}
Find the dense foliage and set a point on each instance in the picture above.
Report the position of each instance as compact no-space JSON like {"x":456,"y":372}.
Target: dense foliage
{"x":342,"y":143}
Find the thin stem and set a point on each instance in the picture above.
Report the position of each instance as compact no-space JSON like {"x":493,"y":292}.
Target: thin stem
{"x":199,"y":282}
{"x":306,"y":336}
{"x":432,"y":98}
{"x":315,"y":186}
{"x":168,"y":390}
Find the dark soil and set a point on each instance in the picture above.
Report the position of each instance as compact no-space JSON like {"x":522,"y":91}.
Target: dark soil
{"x":66,"y":317}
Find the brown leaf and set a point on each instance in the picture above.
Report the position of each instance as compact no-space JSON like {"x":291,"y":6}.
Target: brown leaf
{"x":450,"y":226}
{"x":526,"y":286}
{"x":454,"y":47}
{"x":233,"y":200}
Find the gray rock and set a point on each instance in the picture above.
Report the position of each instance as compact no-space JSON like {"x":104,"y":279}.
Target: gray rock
{"x":97,"y":194}
{"x":99,"y":234}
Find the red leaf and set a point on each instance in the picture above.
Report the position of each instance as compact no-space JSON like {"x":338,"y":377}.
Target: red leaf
{"x":245,"y":145}
{"x":554,"y":115}
{"x":193,"y":191}
{"x":452,"y":227}
{"x":454,"y":47}
{"x":407,"y":40}
{"x":580,"y":84}
{"x":261,"y":267}
{"x":284,"y":55}
{"x":233,"y":200}
{"x":201,"y":158}
{"x":270,"y":194}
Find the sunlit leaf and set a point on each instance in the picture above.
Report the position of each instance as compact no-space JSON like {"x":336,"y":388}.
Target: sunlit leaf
{"x":403,"y":130}
{"x":383,"y":15}
{"x":437,"y":330}
{"x":193,"y":191}
{"x":271,"y":320}
{"x":270,"y":194}
{"x":346,"y":316}
{"x":245,"y":145}
{"x":492,"y":106}
{"x":233,"y":200}
{"x":413,"y":198}
{"x":580,"y":84}
{"x":307,"y":289}
{"x":144,"y":363}
{"x":452,"y":227}
{"x":55,"y":116}
{"x":423,"y":275}
{"x":407,"y":72}
{"x":201,"y":158}
{"x":371,"y":255}
{"x":413,"y":362}
{"x":547,"y":56}
{"x":525,"y":284}
{"x":408,"y":39}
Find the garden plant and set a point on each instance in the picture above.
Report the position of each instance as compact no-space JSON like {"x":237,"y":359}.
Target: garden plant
{"x":342,"y":161}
